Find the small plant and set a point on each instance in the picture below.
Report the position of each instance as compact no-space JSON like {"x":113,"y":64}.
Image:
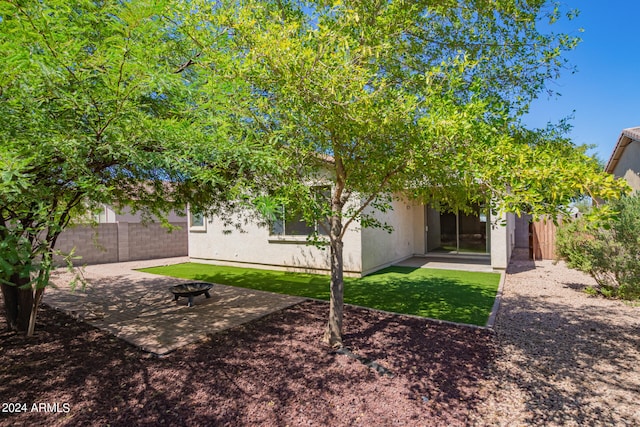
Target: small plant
{"x":609,"y":251}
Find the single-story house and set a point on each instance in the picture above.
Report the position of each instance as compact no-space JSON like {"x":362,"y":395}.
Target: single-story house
{"x":108,"y":214}
{"x":418,"y":230}
{"x":625,"y":160}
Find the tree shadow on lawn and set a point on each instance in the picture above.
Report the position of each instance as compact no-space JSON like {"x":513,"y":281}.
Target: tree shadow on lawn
{"x":268,"y":372}
{"x":457,"y":296}
{"x":575,"y":366}
{"x":289,"y":283}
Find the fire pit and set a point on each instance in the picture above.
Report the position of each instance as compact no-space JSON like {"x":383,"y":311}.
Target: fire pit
{"x":190,"y":290}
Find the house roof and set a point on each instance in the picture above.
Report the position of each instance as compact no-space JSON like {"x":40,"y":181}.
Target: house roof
{"x":626,"y":137}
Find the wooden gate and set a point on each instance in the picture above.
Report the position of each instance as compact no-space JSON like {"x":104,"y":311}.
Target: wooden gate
{"x":542,"y":239}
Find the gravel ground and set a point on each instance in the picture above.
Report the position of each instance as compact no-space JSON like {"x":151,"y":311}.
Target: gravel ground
{"x":270,"y":372}
{"x":557,"y":357}
{"x":565,"y":358}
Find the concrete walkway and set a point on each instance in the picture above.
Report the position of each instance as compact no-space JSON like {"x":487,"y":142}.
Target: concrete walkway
{"x":139,"y":307}
{"x":466,"y":262}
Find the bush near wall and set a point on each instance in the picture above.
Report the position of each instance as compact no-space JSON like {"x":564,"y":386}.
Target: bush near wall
{"x":609,"y":252}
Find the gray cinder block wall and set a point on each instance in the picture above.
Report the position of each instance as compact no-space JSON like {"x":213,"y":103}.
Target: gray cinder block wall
{"x":122,"y":241}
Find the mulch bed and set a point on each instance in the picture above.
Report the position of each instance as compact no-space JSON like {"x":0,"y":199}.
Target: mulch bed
{"x":271,"y":372}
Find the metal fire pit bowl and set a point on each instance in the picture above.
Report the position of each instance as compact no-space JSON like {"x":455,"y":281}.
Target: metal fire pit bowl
{"x":190,"y":290}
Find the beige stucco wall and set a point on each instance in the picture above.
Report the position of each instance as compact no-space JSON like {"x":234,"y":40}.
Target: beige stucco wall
{"x":419,"y":229}
{"x":365,"y":250}
{"x":502,"y":240}
{"x":628,"y":166}
{"x":109,"y":215}
{"x":381,"y":249}
{"x":522,"y":231}
{"x":253,"y":246}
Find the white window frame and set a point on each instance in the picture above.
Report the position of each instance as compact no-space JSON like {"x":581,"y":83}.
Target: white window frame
{"x":197,"y":222}
{"x":283,"y":226}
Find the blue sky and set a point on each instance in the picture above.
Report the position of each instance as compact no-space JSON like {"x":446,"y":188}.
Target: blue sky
{"x":605,"y":90}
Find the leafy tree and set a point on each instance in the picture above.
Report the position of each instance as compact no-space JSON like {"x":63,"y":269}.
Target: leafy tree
{"x":99,"y":103}
{"x":385,"y":98}
{"x":608,"y":250}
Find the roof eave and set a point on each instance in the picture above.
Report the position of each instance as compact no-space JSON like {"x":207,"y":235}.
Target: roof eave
{"x":626,"y":137}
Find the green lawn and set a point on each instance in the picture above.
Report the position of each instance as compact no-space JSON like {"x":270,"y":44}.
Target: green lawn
{"x":458,"y":296}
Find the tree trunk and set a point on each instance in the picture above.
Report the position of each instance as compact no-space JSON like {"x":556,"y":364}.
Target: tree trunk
{"x":34,"y":311}
{"x":333,"y":333}
{"x":19,"y":304}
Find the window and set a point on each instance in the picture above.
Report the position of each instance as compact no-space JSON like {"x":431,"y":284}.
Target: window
{"x":294,"y":225}
{"x":197,"y":222}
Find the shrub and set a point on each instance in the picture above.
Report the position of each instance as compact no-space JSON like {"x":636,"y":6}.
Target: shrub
{"x":608,"y":251}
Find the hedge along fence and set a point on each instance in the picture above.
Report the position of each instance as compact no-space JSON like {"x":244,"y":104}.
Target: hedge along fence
{"x":122,"y":241}
{"x":609,"y":251}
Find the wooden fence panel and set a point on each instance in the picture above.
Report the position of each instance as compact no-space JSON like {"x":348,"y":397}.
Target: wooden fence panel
{"x":543,"y":239}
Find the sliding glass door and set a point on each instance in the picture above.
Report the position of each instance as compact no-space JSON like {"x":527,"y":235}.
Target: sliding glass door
{"x":458,"y":232}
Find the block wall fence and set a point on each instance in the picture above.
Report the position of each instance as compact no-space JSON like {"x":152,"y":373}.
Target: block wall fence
{"x":123,"y":241}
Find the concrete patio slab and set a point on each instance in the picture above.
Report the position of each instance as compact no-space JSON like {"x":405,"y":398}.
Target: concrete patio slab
{"x":450,"y":262}
{"x":140,"y":309}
